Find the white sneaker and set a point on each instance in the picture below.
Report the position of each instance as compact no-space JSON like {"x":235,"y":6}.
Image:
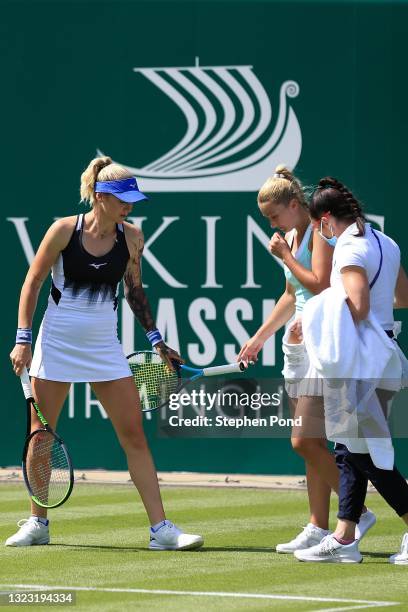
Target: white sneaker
{"x":310,"y":536}
{"x":31,"y":532}
{"x":331,"y":551}
{"x":401,"y":558}
{"x":170,"y":537}
{"x":367,"y":520}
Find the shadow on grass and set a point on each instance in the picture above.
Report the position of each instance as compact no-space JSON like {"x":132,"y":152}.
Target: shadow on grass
{"x":205,"y":549}
{"x":99,"y":547}
{"x":233,"y":549}
{"x":247,"y":549}
{"x":377,"y":555}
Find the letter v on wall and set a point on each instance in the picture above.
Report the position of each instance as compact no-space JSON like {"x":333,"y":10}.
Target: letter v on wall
{"x":22,"y":233}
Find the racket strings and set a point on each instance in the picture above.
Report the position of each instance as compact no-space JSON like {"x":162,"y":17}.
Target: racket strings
{"x":155,"y":381}
{"x":150,"y":374}
{"x":48,"y":468}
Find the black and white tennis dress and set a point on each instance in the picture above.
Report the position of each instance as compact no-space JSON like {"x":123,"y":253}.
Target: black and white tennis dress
{"x":78,"y":340}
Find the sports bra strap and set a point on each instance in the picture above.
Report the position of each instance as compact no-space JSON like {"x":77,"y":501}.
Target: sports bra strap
{"x":304,"y":243}
{"x":80,"y":220}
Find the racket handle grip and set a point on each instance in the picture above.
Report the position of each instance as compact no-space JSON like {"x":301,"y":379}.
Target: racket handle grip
{"x":26,"y":384}
{"x":224,"y":369}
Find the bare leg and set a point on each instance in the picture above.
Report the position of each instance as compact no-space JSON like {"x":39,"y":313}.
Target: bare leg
{"x":319,"y":497}
{"x":50,"y":397}
{"x":346,"y":529}
{"x":318,"y":489}
{"x":309,"y":440}
{"x":120,"y":399}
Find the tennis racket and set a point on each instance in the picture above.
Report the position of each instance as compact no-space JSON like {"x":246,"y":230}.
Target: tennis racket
{"x":156,"y":382}
{"x":47,"y":466}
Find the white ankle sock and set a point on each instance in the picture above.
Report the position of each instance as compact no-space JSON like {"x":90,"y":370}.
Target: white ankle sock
{"x":41,"y":520}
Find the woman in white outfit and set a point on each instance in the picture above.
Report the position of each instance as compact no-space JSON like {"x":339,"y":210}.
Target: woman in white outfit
{"x":307,"y":259}
{"x":366,"y":263}
{"x":88,"y":256}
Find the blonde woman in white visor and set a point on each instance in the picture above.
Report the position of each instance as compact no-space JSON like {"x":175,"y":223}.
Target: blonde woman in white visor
{"x":88,"y":256}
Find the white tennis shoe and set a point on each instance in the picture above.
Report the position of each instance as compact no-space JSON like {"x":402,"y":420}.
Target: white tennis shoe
{"x":401,"y":558}
{"x":331,"y":551}
{"x":31,"y":532}
{"x":367,"y":520}
{"x":310,"y":536}
{"x":170,"y":537}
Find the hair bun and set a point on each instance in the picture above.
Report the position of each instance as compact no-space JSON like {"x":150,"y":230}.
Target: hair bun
{"x":328,"y":182}
{"x":281,"y":171}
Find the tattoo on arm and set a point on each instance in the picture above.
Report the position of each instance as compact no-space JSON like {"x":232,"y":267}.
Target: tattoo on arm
{"x":139,"y":304}
{"x":134,"y":292}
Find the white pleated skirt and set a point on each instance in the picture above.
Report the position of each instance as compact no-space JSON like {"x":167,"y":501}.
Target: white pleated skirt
{"x":78,"y":342}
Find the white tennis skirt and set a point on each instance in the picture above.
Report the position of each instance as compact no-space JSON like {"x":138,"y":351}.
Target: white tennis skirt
{"x":78,"y":342}
{"x":300,"y":378}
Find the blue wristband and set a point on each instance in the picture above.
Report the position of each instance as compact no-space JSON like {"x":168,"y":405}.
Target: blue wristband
{"x":154,"y":337}
{"x":24,"y":335}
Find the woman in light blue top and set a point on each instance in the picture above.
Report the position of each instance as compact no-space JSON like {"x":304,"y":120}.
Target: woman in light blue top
{"x":307,"y":259}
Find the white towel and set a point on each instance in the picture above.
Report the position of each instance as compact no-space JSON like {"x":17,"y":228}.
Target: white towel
{"x":352,"y":359}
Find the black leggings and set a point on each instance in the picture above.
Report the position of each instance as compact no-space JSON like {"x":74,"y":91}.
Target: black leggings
{"x":356,"y":469}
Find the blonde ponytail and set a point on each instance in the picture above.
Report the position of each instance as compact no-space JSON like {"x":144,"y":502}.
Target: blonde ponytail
{"x":281,"y":188}
{"x":100,"y":169}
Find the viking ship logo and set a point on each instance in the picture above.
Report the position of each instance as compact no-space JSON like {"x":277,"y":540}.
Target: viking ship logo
{"x":232,"y":140}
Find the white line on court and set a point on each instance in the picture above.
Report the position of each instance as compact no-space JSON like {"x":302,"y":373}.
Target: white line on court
{"x":361,"y":607}
{"x":365,"y":602}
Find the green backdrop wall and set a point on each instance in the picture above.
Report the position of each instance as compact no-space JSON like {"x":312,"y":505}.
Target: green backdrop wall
{"x":222,"y":92}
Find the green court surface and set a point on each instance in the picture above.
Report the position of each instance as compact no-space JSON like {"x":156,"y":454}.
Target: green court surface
{"x":100,"y":538}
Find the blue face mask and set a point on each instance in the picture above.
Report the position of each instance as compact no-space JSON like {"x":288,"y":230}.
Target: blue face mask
{"x":332,"y":241}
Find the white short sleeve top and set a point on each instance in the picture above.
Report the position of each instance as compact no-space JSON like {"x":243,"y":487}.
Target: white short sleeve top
{"x":364,"y":252}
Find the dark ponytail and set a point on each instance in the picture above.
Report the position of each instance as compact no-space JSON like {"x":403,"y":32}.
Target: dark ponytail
{"x":333,"y":197}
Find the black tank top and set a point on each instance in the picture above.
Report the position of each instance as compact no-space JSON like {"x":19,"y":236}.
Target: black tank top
{"x":95,"y":277}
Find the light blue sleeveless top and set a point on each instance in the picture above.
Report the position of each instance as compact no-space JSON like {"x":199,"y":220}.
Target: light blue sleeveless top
{"x":304,"y":257}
